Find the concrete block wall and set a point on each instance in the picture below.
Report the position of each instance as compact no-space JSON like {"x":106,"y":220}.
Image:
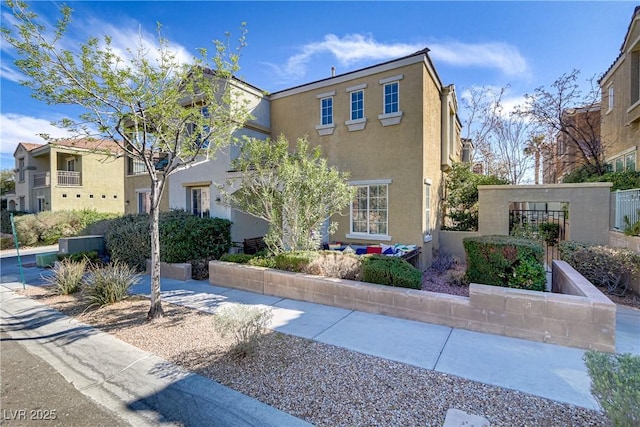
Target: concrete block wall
{"x":583,"y":321}
{"x":177,"y":271}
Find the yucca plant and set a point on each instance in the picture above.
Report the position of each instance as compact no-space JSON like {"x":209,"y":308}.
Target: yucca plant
{"x":109,"y":284}
{"x":67,"y":276}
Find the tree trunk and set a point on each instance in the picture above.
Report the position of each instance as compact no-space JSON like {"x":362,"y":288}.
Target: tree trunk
{"x":155,"y":311}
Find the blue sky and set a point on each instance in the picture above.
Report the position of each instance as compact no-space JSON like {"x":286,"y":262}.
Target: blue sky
{"x":521,"y":44}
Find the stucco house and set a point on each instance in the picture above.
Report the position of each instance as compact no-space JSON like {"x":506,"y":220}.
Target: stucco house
{"x":620,"y":86}
{"x":68,"y":175}
{"x":394,"y":127}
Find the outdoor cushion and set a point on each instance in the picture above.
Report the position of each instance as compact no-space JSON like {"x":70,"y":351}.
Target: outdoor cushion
{"x":388,"y":251}
{"x":374,"y":250}
{"x":361,"y":251}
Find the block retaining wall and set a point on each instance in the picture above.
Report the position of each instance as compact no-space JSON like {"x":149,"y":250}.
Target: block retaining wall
{"x":584,"y":320}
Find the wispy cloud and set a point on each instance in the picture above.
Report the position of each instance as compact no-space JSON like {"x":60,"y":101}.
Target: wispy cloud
{"x":357,"y":48}
{"x":16,"y":128}
{"x":501,"y":56}
{"x":11,"y":74}
{"x":350,"y":49}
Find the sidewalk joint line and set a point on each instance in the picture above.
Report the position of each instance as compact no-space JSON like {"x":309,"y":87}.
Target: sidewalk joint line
{"x":116,"y":374}
{"x":333,"y":324}
{"x":442,"y":349}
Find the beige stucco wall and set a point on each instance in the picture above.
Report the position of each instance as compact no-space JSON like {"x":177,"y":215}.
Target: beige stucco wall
{"x":139,"y":182}
{"x":620,"y":129}
{"x":406,"y":154}
{"x":619,"y":240}
{"x":588,"y":207}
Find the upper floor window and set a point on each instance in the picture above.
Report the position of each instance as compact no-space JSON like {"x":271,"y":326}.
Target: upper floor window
{"x":610,"y":95}
{"x":427,"y":208}
{"x":391,"y":98}
{"x":391,"y":114}
{"x":144,"y":201}
{"x":71,"y":164}
{"x":357,"y":105}
{"x":326,"y":111}
{"x":634,"y":84}
{"x":326,"y":125}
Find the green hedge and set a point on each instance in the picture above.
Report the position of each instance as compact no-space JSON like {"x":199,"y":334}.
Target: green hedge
{"x":505,"y":261}
{"x":183,"y":238}
{"x":5,"y":220}
{"x":391,"y":271}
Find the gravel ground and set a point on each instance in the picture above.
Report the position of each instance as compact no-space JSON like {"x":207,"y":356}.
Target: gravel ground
{"x":320,"y":383}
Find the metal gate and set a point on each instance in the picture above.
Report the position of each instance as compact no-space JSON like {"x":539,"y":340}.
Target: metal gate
{"x":546,"y":226}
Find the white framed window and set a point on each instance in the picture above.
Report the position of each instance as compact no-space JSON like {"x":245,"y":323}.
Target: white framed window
{"x":20,"y":170}
{"x":326,"y":125}
{"x":391,"y":98}
{"x":199,"y":203}
{"x":144,"y":200}
{"x":391,"y":113}
{"x":326,"y":111}
{"x":619,"y":164}
{"x":630,"y":161}
{"x":369,"y":213}
{"x":634,"y":84}
{"x":71,"y":164}
{"x":357,"y":105}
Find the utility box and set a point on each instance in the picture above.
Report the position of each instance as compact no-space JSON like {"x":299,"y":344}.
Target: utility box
{"x":74,"y":245}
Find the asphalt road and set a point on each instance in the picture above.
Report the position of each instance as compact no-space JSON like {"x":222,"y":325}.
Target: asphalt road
{"x":35,"y":394}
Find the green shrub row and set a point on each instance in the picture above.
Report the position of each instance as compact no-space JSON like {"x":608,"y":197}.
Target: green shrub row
{"x":378,"y":269}
{"x":45,"y":228}
{"x":599,"y":264}
{"x":505,"y":261}
{"x":5,"y":220}
{"x":183,"y":238}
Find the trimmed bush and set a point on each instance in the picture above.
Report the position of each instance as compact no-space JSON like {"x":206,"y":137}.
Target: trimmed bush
{"x":245,"y":323}
{"x":90,"y":256}
{"x":615,"y":383}
{"x":294,"y":261}
{"x":67,"y":276}
{"x":391,"y":271}
{"x":183,"y":238}
{"x":237,"y":258}
{"x":109,"y":284}
{"x":7,"y":243}
{"x":505,"y":261}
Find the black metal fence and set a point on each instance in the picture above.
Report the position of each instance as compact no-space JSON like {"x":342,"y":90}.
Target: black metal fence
{"x":548,"y":227}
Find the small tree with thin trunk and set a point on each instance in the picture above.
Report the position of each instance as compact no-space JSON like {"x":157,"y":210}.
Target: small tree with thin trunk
{"x":150,"y":104}
{"x":295,"y":192}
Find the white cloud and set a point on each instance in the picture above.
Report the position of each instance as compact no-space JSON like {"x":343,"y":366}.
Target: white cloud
{"x":11,"y":74}
{"x":16,"y":128}
{"x":347,"y":50}
{"x":498,"y":55}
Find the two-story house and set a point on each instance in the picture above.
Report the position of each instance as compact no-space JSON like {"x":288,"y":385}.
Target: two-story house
{"x":620,"y":87}
{"x":394,"y":127}
{"x":68,"y":175}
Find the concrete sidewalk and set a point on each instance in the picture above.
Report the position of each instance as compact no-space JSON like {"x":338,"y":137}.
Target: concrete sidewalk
{"x":139,"y":388}
{"x":546,"y":370}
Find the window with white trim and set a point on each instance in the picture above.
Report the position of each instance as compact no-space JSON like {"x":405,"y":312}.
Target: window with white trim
{"x":144,"y":201}
{"x":610,"y":95}
{"x":357,"y":105}
{"x":20,"y":170}
{"x":630,"y":161}
{"x":199,"y":203}
{"x":326,"y":111}
{"x":391,"y":98}
{"x":369,"y":210}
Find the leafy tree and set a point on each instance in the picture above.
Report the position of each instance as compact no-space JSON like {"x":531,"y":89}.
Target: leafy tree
{"x":295,"y":192}
{"x":7,"y":181}
{"x":624,"y":180}
{"x":462,"y":197}
{"x":151,"y":105}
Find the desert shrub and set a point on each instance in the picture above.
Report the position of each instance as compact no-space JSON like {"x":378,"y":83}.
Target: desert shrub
{"x":6,"y":243}
{"x":245,"y":323}
{"x":601,"y":265}
{"x":442,"y":261}
{"x":615,"y":383}
{"x":67,"y":276}
{"x":263,"y":261}
{"x":505,"y":261}
{"x":391,"y":271}
{"x":294,"y":261}
{"x":109,"y":284}
{"x":237,"y":258}
{"x":335,"y":264}
{"x":631,"y":229}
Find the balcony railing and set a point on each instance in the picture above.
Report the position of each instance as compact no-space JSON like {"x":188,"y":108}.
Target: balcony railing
{"x":69,"y":179}
{"x":41,"y":179}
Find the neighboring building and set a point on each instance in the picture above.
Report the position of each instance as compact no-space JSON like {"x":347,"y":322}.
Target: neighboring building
{"x":573,"y":148}
{"x":621,"y":102}
{"x":68,"y":175}
{"x":394,"y":127}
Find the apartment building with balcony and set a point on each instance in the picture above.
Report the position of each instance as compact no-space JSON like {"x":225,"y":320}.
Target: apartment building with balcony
{"x":68,"y":175}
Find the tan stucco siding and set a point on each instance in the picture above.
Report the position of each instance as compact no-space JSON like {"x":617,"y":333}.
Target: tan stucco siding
{"x":377,"y":152}
{"x":135,"y":183}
